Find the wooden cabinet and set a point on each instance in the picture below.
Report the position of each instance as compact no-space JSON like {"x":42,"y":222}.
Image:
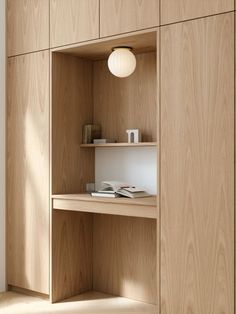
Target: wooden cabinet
{"x":197,"y":166}
{"x":28,"y":172}
{"x":180,"y":10}
{"x":181,"y":97}
{"x":72,"y":21}
{"x":27,"y":26}
{"x":121,"y":16}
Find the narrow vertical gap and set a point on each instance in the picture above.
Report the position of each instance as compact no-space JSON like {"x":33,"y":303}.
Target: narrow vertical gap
{"x":50,"y":154}
{"x":159,"y":194}
{"x":92,"y":262}
{"x":99,"y":18}
{"x":159,"y":156}
{"x":49,"y":24}
{"x":234,"y":152}
{"x":6,"y":147}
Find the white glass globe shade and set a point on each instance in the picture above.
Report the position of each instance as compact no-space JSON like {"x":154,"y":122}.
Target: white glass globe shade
{"x":122,"y":62}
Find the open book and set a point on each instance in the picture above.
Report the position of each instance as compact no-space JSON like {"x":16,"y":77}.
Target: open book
{"x":118,"y":189}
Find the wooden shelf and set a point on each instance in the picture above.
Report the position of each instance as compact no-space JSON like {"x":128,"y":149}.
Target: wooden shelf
{"x":141,"y":207}
{"x":120,"y":144}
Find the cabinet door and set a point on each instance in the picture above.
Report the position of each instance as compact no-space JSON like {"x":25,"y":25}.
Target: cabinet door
{"x":121,"y":16}
{"x":27,"y":26}
{"x":28,"y":171}
{"x":197,"y":166}
{"x":72,"y":21}
{"x":180,"y":10}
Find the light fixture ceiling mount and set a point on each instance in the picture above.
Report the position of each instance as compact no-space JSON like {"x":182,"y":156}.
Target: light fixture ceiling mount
{"x":122,"y":61}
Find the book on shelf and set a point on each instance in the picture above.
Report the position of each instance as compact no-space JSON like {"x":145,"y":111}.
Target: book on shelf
{"x":113,"y":189}
{"x":103,"y":194}
{"x":103,"y":141}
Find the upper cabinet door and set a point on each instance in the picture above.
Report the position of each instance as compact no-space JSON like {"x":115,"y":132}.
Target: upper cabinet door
{"x":197,"y":166}
{"x":73,"y":21}
{"x":27,"y":26}
{"x":180,"y":10}
{"x":121,"y":16}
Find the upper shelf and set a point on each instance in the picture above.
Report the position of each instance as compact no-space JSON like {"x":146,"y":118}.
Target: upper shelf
{"x":140,"y":207}
{"x":120,"y":144}
{"x":98,"y":49}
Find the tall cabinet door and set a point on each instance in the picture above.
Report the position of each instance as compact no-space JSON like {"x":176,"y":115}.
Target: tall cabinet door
{"x":197,"y":166}
{"x":28,"y":172}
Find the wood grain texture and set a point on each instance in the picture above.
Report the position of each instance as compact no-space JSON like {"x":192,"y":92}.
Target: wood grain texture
{"x":71,"y":254}
{"x":100,"y":49}
{"x":86,"y":303}
{"x":73,"y":21}
{"x":128,"y":103}
{"x":124,"y":257}
{"x":197,"y":167}
{"x":27,"y":26}
{"x":141,"y":144}
{"x":179,"y":10}
{"x":158,"y":203}
{"x":27,"y":292}
{"x":122,"y":16}
{"x":147,"y":201}
{"x":28,"y":172}
{"x":72,"y":107}
{"x":141,"y":207}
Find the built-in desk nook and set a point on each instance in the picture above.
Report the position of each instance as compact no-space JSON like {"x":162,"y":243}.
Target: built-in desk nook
{"x":102,"y":244}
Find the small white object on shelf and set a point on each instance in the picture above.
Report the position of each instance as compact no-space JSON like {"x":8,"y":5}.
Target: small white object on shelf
{"x":134,"y":136}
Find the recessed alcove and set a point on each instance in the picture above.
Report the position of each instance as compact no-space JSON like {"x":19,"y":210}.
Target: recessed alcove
{"x":106,"y":246}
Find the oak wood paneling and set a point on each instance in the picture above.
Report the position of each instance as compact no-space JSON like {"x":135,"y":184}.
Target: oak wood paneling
{"x":138,"y":207}
{"x":28,"y":172}
{"x":71,"y":254}
{"x":27,"y":26}
{"x":197,"y":166}
{"x":121,"y":16}
{"x":100,"y":49}
{"x":109,"y":145}
{"x":121,"y":104}
{"x":73,"y":21}
{"x":179,"y":10}
{"x":72,"y":107}
{"x":125,"y":257}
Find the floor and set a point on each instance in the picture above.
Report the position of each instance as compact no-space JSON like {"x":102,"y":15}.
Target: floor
{"x":88,"y":303}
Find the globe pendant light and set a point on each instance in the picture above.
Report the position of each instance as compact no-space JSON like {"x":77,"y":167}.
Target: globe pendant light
{"x":122,"y":61}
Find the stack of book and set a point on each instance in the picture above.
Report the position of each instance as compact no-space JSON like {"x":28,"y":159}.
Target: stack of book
{"x":114,"y":189}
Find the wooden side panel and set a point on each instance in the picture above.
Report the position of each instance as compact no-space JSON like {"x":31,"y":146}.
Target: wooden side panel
{"x":72,"y":21}
{"x":27,"y":26}
{"x":122,"y":16}
{"x":179,"y":10}
{"x":124,"y":257}
{"x":72,"y":235}
{"x":72,"y":107}
{"x":197,"y":167}
{"x":28,"y":172}
{"x":121,"y":104}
